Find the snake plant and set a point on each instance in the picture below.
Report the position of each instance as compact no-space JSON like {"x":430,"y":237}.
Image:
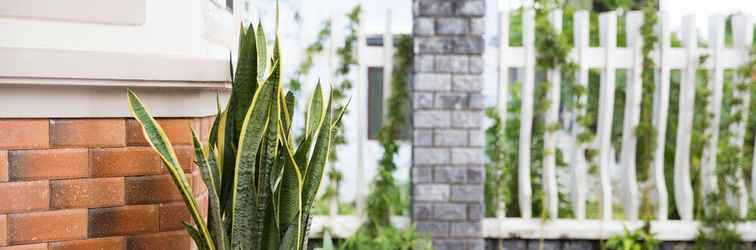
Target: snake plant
{"x":261,"y":188}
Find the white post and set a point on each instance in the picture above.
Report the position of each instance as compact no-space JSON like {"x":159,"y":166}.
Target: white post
{"x":503,"y":91}
{"x":526,"y":113}
{"x":549,"y":137}
{"x":661,"y":107}
{"x":682,"y":183}
{"x":713,"y":110}
{"x":361,"y":100}
{"x":633,"y":92}
{"x":742,"y":29}
{"x":608,"y":29}
{"x":579,"y":170}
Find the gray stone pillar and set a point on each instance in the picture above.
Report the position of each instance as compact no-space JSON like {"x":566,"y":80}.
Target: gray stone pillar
{"x":447,"y":153}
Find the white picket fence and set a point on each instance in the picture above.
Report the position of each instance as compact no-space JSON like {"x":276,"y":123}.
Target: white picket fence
{"x":608,"y":58}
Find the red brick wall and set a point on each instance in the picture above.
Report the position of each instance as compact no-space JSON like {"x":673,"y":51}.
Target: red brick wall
{"x":75,"y":184}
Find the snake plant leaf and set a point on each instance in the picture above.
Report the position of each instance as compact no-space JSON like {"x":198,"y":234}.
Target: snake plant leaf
{"x":314,"y":169}
{"x":262,"y":51}
{"x":291,"y":199}
{"x":215,"y":221}
{"x":253,"y":130}
{"x":245,"y":82}
{"x":160,"y":143}
{"x":268,"y":158}
{"x":314,"y":111}
{"x":196,"y":236}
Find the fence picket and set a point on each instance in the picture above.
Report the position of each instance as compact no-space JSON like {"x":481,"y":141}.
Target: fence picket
{"x":682,"y":182}
{"x":633,"y":93}
{"x":713,"y":110}
{"x":549,"y":137}
{"x":503,"y":89}
{"x":526,"y":113}
{"x":661,"y":107}
{"x":579,"y":170}
{"x":608,"y":30}
{"x":742,"y":37}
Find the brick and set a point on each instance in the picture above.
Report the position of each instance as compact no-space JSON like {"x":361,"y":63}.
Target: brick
{"x":172,"y":216}
{"x":450,"y":137}
{"x":444,"y":244}
{"x":109,"y":243}
{"x":48,"y":164}
{"x":40,"y":246}
{"x":451,"y":100}
{"x":47,"y":226}
{"x":422,"y":174}
{"x":422,"y":211}
{"x":24,"y":196}
{"x":198,"y":184}
{"x":3,"y":166}
{"x":470,"y":8}
{"x":468,"y":83}
{"x":449,"y":211}
{"x":477,"y":102}
{"x":206,"y":124}
{"x":423,"y":137}
{"x":178,"y":130}
{"x":467,"y":156}
{"x":433,"y":82}
{"x":431,"y":156}
{"x":127,"y":161}
{"x":544,"y":245}
{"x":24,"y":133}
{"x":476,"y":138}
{"x":467,"y":119}
{"x":123,"y":220}
{"x":477,"y":26}
{"x":431,"y":119}
{"x":467,"y":193}
{"x":475,"y":65}
{"x":449,"y":175}
{"x":423,"y":63}
{"x":475,"y":175}
{"x":430,"y":192}
{"x":451,"y":63}
{"x":87,"y":132}
{"x":422,"y":100}
{"x":468,"y":45}
{"x":163,"y":240}
{"x":3,"y":230}
{"x":436,"y":229}
{"x":423,"y":26}
{"x":87,"y":193}
{"x":451,"y":26}
{"x":433,"y":8}
{"x":434,"y":45}
{"x":466,"y":229}
{"x":475,"y":244}
{"x":185,"y":156}
{"x":474,"y":212}
{"x":151,"y":189}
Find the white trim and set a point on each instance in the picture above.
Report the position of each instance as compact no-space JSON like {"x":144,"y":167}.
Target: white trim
{"x":120,"y":12}
{"x":33,"y":101}
{"x":70,"y":64}
{"x":514,"y":228}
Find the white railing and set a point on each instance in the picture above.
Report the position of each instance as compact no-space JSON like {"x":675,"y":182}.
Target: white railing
{"x":608,"y":58}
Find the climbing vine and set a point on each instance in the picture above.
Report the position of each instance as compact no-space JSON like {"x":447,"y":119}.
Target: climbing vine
{"x":312,"y":50}
{"x":347,"y":60}
{"x":645,"y":131}
{"x":385,"y":198}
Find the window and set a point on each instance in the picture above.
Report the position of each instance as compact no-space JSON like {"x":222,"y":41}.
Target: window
{"x":375,"y":101}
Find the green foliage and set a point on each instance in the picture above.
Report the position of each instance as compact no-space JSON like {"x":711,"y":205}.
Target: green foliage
{"x":260,"y":188}
{"x":718,"y":226}
{"x":645,"y":131}
{"x":385,"y":199}
{"x":638,"y":239}
{"x":498,"y":172}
